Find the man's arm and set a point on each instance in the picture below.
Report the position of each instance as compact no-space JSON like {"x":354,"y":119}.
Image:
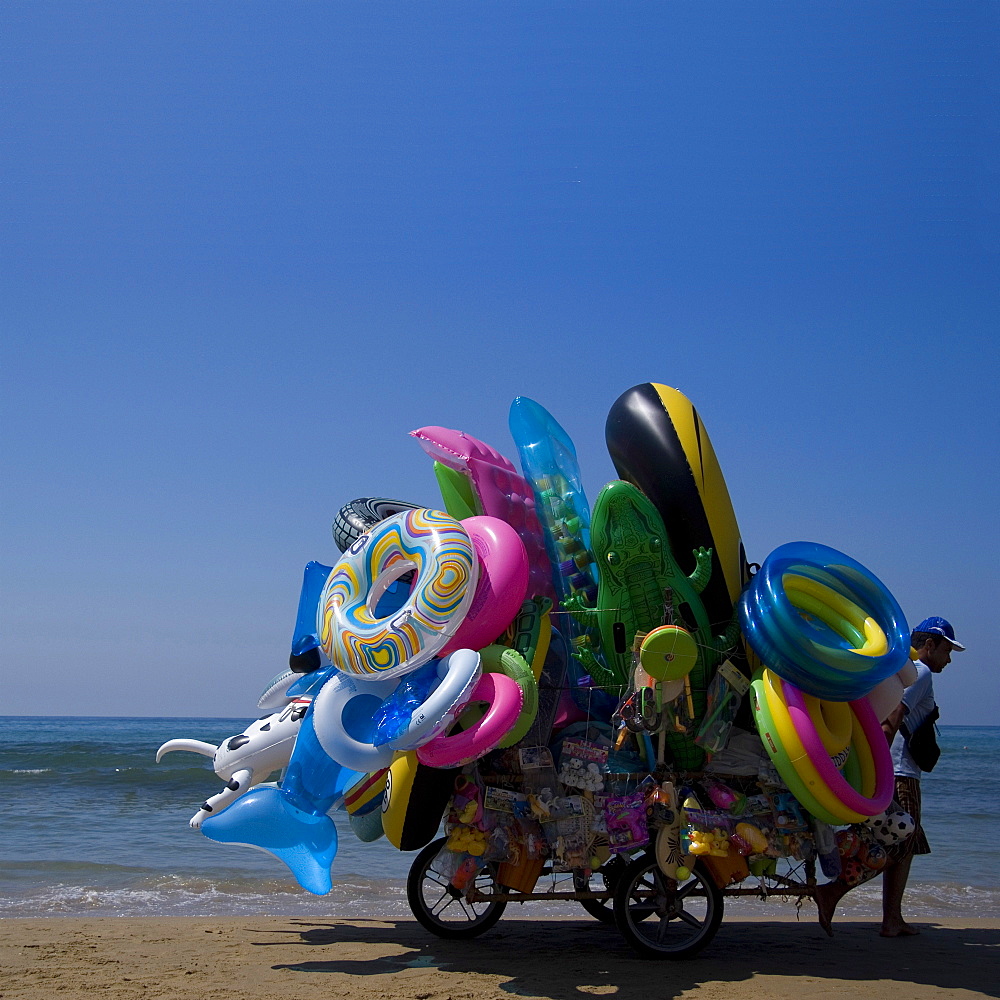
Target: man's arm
{"x":891,"y":725}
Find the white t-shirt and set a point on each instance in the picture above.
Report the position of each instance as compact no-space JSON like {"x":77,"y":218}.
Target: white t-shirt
{"x":918,"y":699}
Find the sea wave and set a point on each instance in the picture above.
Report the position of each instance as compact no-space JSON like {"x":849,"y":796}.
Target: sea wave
{"x":62,"y":894}
{"x":201,"y":897}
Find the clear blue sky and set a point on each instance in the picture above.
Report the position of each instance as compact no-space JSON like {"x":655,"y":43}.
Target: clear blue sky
{"x":247,"y":247}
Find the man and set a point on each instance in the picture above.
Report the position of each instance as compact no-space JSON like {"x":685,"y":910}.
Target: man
{"x":934,"y":641}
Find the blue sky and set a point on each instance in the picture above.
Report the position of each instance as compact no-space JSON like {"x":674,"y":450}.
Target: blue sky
{"x":248,"y":247}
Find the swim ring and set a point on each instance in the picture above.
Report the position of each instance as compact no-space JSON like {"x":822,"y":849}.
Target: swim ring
{"x":821,"y":620}
{"x":458,"y":674}
{"x":440,"y":552}
{"x":505,"y":701}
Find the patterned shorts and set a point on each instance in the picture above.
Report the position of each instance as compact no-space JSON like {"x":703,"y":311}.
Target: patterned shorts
{"x":908,"y":797}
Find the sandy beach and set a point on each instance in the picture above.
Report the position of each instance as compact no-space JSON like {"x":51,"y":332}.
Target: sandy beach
{"x":125,"y":958}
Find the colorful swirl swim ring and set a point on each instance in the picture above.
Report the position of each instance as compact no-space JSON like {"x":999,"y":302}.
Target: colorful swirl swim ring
{"x":505,"y":701}
{"x":458,"y":675}
{"x":824,"y":622}
{"x":439,"y":549}
{"x":501,"y":587}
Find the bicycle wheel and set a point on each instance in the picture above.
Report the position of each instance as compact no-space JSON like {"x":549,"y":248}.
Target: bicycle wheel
{"x":610,"y":874}
{"x":443,"y":909}
{"x":659,"y":921}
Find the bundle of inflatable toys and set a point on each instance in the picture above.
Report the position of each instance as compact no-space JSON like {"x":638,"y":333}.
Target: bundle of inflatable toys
{"x":561,"y":685}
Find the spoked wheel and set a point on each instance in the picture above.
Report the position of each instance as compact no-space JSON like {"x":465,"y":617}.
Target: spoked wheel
{"x":606,"y":877}
{"x":443,"y":909}
{"x":659,"y":921}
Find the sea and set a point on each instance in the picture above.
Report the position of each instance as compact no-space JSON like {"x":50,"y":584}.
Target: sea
{"x":91,"y":825}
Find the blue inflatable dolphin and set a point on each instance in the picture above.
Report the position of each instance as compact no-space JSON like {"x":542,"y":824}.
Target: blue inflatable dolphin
{"x":291,"y":821}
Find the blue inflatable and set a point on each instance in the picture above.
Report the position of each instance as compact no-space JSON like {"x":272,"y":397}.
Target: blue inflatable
{"x":548,"y":460}
{"x":804,"y":649}
{"x":291,"y":822}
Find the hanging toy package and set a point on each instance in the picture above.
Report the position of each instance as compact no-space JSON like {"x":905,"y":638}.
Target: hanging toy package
{"x":582,"y":765}
{"x":625,"y":817}
{"x":727,"y":690}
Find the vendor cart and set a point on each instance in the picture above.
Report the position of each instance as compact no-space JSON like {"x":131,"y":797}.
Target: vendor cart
{"x":659,"y":917}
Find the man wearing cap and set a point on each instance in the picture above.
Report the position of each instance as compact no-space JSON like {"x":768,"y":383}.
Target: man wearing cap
{"x":934,"y":641}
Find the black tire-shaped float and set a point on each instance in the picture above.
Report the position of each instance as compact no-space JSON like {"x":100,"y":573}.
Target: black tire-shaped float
{"x":361,"y":515}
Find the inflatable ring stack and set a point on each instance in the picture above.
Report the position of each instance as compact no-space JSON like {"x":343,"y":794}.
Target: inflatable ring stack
{"x":823,"y":622}
{"x":797,"y":733}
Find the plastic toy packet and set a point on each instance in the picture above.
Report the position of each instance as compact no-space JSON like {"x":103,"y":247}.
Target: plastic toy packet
{"x":469,"y":840}
{"x":799,"y":846}
{"x":726,"y":691}
{"x":534,"y":758}
{"x":787,"y":814}
{"x":566,"y":806}
{"x":466,"y":804}
{"x":758,"y":805}
{"x":599,"y":822}
{"x":464,"y":878}
{"x":725,"y":798}
{"x":661,"y":805}
{"x":503,"y":800}
{"x":709,"y":819}
{"x":679,"y":715}
{"x":568,"y":830}
{"x":625,"y":818}
{"x":582,"y":764}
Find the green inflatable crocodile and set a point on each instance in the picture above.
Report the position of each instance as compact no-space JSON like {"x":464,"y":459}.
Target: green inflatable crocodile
{"x":637,"y":569}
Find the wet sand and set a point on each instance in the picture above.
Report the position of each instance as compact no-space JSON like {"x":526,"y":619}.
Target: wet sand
{"x":247,"y":957}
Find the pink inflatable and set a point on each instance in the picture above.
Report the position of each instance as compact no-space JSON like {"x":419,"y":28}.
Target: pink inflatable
{"x":501,"y":491}
{"x":502,"y":584}
{"x":871,"y":732}
{"x":505,"y":702}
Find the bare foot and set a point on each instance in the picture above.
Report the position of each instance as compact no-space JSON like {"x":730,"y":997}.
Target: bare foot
{"x":826,"y":905}
{"x":900,"y":929}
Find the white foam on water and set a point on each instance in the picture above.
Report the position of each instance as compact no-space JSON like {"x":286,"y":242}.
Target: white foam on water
{"x":175,"y":895}
{"x":186,"y":896}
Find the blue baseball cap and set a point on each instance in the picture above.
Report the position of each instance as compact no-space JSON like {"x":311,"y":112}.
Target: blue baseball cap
{"x":940,"y":626}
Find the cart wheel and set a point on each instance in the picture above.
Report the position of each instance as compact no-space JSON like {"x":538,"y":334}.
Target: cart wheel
{"x":440,"y":907}
{"x":609,"y":874}
{"x":684,"y":920}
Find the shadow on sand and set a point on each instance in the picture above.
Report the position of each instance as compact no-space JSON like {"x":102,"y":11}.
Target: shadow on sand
{"x":568,"y":959}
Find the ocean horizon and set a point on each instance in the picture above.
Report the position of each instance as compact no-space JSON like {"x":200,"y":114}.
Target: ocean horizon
{"x":92,"y":826}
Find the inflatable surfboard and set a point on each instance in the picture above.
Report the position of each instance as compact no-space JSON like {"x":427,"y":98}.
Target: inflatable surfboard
{"x":658,"y":442}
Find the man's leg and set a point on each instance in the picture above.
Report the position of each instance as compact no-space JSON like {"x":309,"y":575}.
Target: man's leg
{"x":827,"y":897}
{"x":893,"y":886}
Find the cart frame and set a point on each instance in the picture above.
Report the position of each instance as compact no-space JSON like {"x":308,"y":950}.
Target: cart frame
{"x":688,"y":914}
